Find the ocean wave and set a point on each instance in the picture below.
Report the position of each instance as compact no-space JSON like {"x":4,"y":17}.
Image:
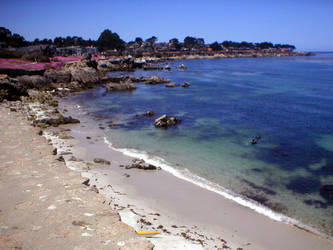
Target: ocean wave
{"x":214,"y":187}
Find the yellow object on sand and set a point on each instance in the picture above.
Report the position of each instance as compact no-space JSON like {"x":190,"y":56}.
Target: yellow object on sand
{"x":147,"y":233}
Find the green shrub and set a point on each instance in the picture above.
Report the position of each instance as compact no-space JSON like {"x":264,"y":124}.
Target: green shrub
{"x":36,"y":56}
{"x":10,"y":54}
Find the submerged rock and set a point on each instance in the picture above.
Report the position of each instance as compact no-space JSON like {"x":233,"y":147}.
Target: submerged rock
{"x":171,"y":85}
{"x":186,"y":85}
{"x":149,"y":113}
{"x":326,"y":191}
{"x":166,"y":121}
{"x":141,"y":164}
{"x":182,"y":66}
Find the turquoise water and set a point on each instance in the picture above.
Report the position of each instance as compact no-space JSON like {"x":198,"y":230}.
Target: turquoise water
{"x":287,"y":101}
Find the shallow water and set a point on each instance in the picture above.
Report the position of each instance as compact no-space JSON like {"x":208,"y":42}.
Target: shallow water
{"x":288,"y":102}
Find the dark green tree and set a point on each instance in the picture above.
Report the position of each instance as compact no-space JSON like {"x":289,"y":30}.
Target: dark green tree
{"x":108,"y":40}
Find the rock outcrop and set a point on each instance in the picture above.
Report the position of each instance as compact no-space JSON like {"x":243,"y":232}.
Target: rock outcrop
{"x":141,"y":164}
{"x":55,"y":122}
{"x":121,"y":86}
{"x":166,"y":121}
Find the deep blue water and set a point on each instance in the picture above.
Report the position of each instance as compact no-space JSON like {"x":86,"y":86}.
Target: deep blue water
{"x":287,"y":101}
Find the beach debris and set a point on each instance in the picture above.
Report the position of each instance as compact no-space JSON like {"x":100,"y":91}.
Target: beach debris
{"x":61,"y":158}
{"x":186,"y":85}
{"x":141,"y":164}
{"x":166,"y":121}
{"x":86,"y":182}
{"x":102,"y":161}
{"x":182,"y":66}
{"x":147,"y":233}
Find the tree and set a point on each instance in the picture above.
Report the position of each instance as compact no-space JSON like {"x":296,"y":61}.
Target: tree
{"x":152,"y":40}
{"x":215,"y":46}
{"x":175,"y":43}
{"x":189,"y":42}
{"x":139,"y":41}
{"x":108,"y":40}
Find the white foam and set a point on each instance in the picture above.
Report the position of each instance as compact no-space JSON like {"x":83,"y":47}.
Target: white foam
{"x":208,"y":185}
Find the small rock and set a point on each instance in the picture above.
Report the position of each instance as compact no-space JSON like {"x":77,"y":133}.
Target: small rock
{"x":55,"y":151}
{"x":61,"y":158}
{"x":102,"y":161}
{"x":186,"y":85}
{"x":40,"y":132}
{"x":149,"y":113}
{"x":170,"y":85}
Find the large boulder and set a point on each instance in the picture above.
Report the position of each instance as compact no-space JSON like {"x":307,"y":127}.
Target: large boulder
{"x":11,"y":89}
{"x":155,"y":79}
{"x":58,"y":76}
{"x":127,"y":85}
{"x":85,"y":75}
{"x":166,"y":121}
{"x":33,"y":82}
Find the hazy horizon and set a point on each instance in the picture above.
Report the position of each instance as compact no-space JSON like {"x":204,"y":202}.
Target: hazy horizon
{"x":301,"y":23}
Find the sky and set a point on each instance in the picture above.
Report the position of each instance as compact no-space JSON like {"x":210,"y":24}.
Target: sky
{"x":305,"y":23}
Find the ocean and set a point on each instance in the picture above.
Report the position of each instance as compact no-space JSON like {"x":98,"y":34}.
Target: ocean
{"x":284,"y":103}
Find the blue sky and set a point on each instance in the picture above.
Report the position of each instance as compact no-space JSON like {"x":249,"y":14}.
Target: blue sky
{"x":305,"y":23}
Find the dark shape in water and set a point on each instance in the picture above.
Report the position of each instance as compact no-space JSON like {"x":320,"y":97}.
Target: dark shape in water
{"x":260,"y":188}
{"x":278,"y":207}
{"x":303,"y":185}
{"x":326,"y":191}
{"x":316,"y":203}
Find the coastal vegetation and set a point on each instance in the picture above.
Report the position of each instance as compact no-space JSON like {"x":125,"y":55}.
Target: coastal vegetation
{"x":109,"y":41}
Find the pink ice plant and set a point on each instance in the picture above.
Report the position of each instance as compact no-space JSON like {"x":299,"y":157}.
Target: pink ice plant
{"x":55,"y":62}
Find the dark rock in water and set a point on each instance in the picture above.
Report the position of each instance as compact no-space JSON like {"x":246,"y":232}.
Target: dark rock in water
{"x":326,"y":191}
{"x":170,"y":85}
{"x":182,"y":66}
{"x":55,"y":151}
{"x":260,"y":188}
{"x":155,"y":79}
{"x":316,"y":203}
{"x":120,"y":86}
{"x":141,"y":164}
{"x":102,"y":161}
{"x":149,"y":113}
{"x":304,"y":185}
{"x":253,"y":141}
{"x":61,"y":158}
{"x":278,"y":207}
{"x":152,"y":67}
{"x":256,"y":169}
{"x":166,"y":121}
{"x":186,"y":85}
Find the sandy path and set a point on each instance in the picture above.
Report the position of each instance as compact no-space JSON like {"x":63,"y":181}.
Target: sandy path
{"x":44,"y":205}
